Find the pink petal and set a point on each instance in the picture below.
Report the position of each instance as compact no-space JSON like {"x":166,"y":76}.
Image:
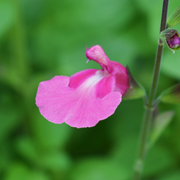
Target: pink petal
{"x":105,"y":86}
{"x":91,"y":110}
{"x":79,"y":107}
{"x":96,"y":53}
{"x":78,"y":78}
{"x":51,"y":96}
{"x":122,"y":79}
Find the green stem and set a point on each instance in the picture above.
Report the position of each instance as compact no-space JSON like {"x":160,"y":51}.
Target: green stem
{"x":19,"y":42}
{"x":142,"y":150}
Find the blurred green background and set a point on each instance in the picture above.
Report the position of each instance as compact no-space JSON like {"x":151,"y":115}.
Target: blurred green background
{"x":43,"y":38}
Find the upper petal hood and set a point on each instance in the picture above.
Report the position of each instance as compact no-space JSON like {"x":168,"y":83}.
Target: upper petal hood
{"x":97,"y":54}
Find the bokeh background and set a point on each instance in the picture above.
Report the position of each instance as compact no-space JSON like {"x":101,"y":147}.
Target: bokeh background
{"x":43,"y":38}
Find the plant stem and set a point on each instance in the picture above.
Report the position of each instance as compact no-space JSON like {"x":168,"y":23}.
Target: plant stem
{"x":142,"y":150}
{"x":19,"y":42}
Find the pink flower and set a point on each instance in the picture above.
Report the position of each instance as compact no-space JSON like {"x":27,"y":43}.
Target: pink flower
{"x":86,"y":97}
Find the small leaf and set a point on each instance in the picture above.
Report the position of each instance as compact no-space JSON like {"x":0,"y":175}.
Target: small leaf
{"x":174,"y":19}
{"x":171,"y":95}
{"x":135,"y":90}
{"x":160,"y":123}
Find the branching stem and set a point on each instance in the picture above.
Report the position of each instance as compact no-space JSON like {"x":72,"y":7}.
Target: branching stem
{"x":142,"y":150}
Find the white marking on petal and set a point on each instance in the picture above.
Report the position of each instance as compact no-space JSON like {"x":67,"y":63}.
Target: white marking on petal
{"x":87,"y":87}
{"x":92,"y":81}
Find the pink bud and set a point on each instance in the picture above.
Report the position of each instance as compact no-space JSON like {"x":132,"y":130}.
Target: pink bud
{"x":173,"y":41}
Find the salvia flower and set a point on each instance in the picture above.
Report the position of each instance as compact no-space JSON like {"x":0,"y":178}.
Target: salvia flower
{"x":86,"y":97}
{"x":171,"y":38}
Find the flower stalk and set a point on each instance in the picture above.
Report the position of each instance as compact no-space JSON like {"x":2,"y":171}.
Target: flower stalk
{"x":150,"y":105}
{"x":19,"y":42}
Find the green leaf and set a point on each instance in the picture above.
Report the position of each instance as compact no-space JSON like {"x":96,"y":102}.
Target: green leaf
{"x":171,"y":95}
{"x":174,"y":18}
{"x":160,"y":123}
{"x":135,"y":90}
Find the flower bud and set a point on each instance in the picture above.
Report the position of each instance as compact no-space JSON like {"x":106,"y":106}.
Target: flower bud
{"x":171,"y":38}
